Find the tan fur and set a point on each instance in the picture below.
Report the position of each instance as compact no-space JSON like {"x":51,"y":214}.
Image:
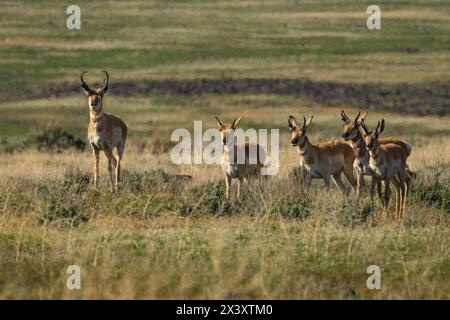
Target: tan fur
{"x":105,"y":132}
{"x":230,"y":167}
{"x":353,"y":136}
{"x":388,"y":163}
{"x":323,"y":160}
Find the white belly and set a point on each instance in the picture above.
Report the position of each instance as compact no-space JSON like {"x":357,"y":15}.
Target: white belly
{"x":312,"y":170}
{"x":362,"y":165}
{"x":379,"y":172}
{"x":97,"y":140}
{"x":231,"y":169}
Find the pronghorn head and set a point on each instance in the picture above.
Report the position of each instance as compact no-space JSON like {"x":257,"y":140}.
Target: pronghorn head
{"x":95,"y":97}
{"x":351,"y":127}
{"x":298,"y":133}
{"x":225,"y":133}
{"x":371,"y":138}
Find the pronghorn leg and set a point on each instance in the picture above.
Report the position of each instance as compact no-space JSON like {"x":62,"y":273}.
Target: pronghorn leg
{"x":387,"y":193}
{"x":308,"y":180}
{"x":360,"y":183}
{"x":380,"y":190}
{"x":239,"y":183}
{"x":110,"y":157}
{"x":95,"y":152}
{"x":372,"y":188}
{"x":120,"y":149}
{"x":113,"y":160}
{"x":348,"y":172}
{"x":405,"y":195}
{"x":408,"y":180}
{"x":327,"y":182}
{"x":338,"y":181}
{"x":404,"y":190}
{"x":398,"y":197}
{"x":227,"y":186}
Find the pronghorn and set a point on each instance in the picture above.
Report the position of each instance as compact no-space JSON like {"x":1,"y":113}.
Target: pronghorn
{"x":105,"y":132}
{"x":353,"y":135}
{"x":388,"y":163}
{"x":324,"y":159}
{"x":254,"y":157}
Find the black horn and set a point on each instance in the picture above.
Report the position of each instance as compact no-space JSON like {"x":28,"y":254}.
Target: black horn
{"x":356,"y":119}
{"x":363,"y":125}
{"x":84,"y":84}
{"x":105,"y":87}
{"x":377,"y":130}
{"x":344,"y":117}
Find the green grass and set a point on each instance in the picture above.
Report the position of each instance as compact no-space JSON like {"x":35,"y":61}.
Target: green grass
{"x":164,"y":237}
{"x":157,"y":39}
{"x":25,"y":118}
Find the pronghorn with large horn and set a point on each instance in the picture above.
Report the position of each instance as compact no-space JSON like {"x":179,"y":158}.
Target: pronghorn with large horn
{"x":353,"y":135}
{"x":105,"y":132}
{"x":252,"y":162}
{"x":388,"y":163}
{"x":323,"y":160}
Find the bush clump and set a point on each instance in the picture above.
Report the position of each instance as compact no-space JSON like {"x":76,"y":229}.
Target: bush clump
{"x":205,"y":199}
{"x":432,"y":186}
{"x":63,"y":200}
{"x":54,"y":139}
{"x":148,"y":180}
{"x":352,"y":213}
{"x":293,"y":205}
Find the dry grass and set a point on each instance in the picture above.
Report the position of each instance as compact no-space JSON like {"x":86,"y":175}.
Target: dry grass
{"x":168,"y":239}
{"x":160,"y":237}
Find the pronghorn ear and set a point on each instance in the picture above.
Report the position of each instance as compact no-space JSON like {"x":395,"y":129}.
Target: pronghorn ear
{"x":292,"y":122}
{"x":236,"y":122}
{"x":308,"y":122}
{"x":380,"y":130}
{"x":344,"y":117}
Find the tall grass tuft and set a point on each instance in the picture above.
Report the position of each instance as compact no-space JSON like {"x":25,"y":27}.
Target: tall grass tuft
{"x":432,"y":186}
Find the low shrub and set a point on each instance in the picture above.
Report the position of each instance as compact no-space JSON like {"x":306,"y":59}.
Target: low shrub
{"x":205,"y":199}
{"x":153,"y":180}
{"x":352,"y":213}
{"x":63,"y":200}
{"x":54,"y":139}
{"x":293,"y":205}
{"x":432,"y":186}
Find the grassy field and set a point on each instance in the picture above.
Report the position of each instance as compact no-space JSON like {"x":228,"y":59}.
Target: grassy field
{"x":325,"y":40}
{"x":162,"y":237}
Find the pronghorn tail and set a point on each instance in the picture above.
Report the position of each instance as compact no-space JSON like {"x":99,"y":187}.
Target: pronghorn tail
{"x":407,"y":147}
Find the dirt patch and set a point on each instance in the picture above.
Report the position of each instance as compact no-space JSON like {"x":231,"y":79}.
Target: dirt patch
{"x":421,"y":99}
